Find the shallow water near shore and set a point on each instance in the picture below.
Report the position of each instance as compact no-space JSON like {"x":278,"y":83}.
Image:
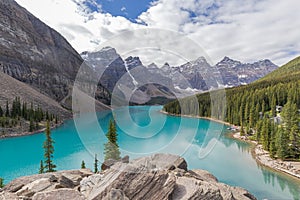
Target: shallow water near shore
{"x":143,"y":131}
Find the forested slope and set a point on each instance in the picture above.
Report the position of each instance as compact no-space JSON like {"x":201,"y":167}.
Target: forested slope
{"x":253,"y":107}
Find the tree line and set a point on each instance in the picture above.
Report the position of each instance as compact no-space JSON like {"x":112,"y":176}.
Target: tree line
{"x":12,"y":114}
{"x":253,"y":108}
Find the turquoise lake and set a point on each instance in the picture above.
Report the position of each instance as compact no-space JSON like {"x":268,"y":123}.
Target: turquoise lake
{"x":143,"y":131}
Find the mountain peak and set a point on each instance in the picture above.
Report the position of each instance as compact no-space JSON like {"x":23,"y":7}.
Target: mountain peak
{"x":133,"y":62}
{"x":227,"y":60}
{"x":107,"y":48}
{"x":152,"y":66}
{"x":201,"y":59}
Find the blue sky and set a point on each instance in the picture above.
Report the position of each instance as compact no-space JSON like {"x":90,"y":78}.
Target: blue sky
{"x":129,"y":9}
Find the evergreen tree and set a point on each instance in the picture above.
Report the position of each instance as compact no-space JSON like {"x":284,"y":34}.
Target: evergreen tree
{"x":7,"y":110}
{"x":1,"y":112}
{"x":272,"y":142}
{"x":242,"y":132}
{"x":1,"y":183}
{"x":258,"y":131}
{"x":31,"y":125}
{"x":41,"y":170}
{"x":111,"y":147}
{"x":251,"y":115}
{"x":263,"y":107}
{"x":265,"y":131}
{"x":49,"y":150}
{"x":291,"y":128}
{"x":273,"y":106}
{"x":83,"y":165}
{"x":96,"y":164}
{"x":281,"y":143}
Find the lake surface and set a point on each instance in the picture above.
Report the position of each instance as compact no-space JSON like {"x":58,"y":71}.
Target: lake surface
{"x":143,"y":131}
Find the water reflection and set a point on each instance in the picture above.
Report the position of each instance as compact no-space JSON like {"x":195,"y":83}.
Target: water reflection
{"x":283,"y":181}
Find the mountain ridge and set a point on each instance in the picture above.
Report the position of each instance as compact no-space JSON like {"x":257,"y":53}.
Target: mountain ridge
{"x":34,"y":53}
{"x":191,"y":75}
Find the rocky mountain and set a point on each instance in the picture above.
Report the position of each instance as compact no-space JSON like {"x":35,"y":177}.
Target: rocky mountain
{"x":128,"y":79}
{"x":159,"y":177}
{"x":187,"y":79}
{"x":235,"y":73}
{"x":37,"y":55}
{"x":200,"y":75}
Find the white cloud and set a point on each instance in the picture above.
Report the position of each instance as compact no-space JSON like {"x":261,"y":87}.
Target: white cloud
{"x":123,"y":9}
{"x":247,"y":30}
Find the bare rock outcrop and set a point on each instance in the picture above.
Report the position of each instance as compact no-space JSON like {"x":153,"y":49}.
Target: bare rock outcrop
{"x":28,"y":186}
{"x":160,"y":176}
{"x":157,"y":177}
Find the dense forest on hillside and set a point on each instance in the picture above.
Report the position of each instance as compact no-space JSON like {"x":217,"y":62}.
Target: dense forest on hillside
{"x":266,"y":110}
{"x":23,"y":115}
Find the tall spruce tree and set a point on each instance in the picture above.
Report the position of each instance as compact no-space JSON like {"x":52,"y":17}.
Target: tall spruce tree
{"x":7,"y":110}
{"x":83,"y":165}
{"x":41,"y":170}
{"x":111,"y":148}
{"x":291,"y":128}
{"x":1,"y":183}
{"x":281,"y":143}
{"x":96,"y":164}
{"x":49,"y":150}
{"x":1,"y":112}
{"x":273,"y":106}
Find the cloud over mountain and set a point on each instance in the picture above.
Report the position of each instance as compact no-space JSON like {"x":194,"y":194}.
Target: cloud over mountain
{"x":247,"y":30}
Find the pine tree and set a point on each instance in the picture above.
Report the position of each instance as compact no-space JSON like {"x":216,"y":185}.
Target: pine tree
{"x":83,"y":165}
{"x":41,"y":170}
{"x":242,"y":132}
{"x":265,"y":130}
{"x":272,"y":142}
{"x":49,"y":150}
{"x":7,"y":110}
{"x":31,"y":125}
{"x":96,"y":164}
{"x":290,"y":118}
{"x":1,"y":183}
{"x":263,"y":107}
{"x":273,"y":106}
{"x":1,"y":112}
{"x":281,"y":143}
{"x":111,"y":147}
{"x":251,"y":115}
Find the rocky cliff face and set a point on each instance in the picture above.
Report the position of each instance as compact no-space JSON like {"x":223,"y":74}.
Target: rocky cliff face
{"x":157,"y":177}
{"x":235,"y":73}
{"x":227,"y":73}
{"x":184,"y":80}
{"x":37,"y":55}
{"x":128,"y":78}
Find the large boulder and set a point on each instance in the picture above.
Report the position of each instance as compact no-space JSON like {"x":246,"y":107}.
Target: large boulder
{"x":28,"y":186}
{"x":160,"y":176}
{"x":63,"y":193}
{"x":157,"y":177}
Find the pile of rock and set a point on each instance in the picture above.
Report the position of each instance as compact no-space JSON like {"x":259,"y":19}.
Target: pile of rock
{"x":161,"y":176}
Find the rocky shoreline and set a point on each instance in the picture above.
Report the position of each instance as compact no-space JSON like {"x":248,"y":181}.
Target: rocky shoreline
{"x":263,"y":158}
{"x":196,"y":117}
{"x":260,"y":155}
{"x":30,"y":133}
{"x":157,"y":177}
